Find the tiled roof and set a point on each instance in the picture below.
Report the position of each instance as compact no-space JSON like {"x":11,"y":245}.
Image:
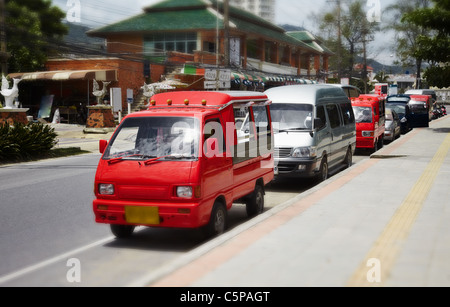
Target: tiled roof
{"x":310,"y":40}
{"x":188,"y":15}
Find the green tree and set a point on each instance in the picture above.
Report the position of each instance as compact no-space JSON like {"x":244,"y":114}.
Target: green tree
{"x":434,"y":48}
{"x":407,"y":33}
{"x":34,"y":30}
{"x":347,"y":30}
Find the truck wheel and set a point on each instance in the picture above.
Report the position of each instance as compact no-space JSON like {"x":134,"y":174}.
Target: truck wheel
{"x":323,"y":173}
{"x":122,"y":231}
{"x":348,"y":158}
{"x":255,"y":204}
{"x":217,"y":222}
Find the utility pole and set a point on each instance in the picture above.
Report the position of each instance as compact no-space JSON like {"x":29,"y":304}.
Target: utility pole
{"x":226,"y":21}
{"x":3,"y":51}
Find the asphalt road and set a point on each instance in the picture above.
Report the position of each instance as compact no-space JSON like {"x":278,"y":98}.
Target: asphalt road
{"x":48,"y":236}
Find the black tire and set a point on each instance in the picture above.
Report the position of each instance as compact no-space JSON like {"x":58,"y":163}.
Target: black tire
{"x":348,"y":162}
{"x":323,"y":172}
{"x":255,"y":204}
{"x":122,"y":231}
{"x":217,"y":222}
{"x":375,"y":147}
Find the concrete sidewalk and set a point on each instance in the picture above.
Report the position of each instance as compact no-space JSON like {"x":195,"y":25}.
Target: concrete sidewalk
{"x":383,"y":222}
{"x":73,"y":136}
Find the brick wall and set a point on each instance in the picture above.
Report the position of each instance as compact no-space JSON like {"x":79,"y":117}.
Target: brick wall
{"x":130,"y":74}
{"x":12,"y":117}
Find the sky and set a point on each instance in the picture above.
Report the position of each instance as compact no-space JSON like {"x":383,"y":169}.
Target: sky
{"x":98,"y":13}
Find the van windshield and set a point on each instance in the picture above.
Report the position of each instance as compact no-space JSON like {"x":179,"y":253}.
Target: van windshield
{"x":291,"y":116}
{"x":363,"y":114}
{"x":166,"y":138}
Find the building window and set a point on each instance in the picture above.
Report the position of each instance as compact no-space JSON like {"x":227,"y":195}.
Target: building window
{"x":181,"y":42}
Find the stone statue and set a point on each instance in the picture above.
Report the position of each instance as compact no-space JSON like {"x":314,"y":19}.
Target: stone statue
{"x":149,"y":90}
{"x":100,"y":94}
{"x":10,"y":94}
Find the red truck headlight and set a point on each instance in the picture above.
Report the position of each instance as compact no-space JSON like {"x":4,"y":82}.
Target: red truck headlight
{"x":105,"y":189}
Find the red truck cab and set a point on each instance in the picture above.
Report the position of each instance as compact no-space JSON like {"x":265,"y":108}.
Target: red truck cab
{"x":184,"y":162}
{"x":370,"y":121}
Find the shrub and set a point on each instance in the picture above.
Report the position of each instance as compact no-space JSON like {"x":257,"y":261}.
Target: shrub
{"x":26,"y":142}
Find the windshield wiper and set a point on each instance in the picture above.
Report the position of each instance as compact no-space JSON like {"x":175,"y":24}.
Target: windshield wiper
{"x":169,"y":157}
{"x":291,"y":129}
{"x":120,"y":159}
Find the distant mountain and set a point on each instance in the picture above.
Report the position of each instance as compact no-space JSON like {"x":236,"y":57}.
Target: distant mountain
{"x":377,"y":66}
{"x":78,"y":42}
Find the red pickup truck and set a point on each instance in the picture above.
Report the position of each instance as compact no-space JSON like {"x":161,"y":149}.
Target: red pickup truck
{"x":370,"y":121}
{"x":184,"y":162}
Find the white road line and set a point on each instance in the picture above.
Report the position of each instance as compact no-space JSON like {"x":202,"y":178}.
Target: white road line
{"x":53,"y":260}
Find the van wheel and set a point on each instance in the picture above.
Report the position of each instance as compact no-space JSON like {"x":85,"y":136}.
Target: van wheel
{"x":122,"y":231}
{"x":255,"y":204}
{"x":323,"y":173}
{"x":375,"y":147}
{"x":348,"y":158}
{"x":217,"y":222}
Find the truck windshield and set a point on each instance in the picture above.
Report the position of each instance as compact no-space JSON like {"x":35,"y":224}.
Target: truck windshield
{"x":166,"y":138}
{"x":363,"y":114}
{"x":292,"y":116}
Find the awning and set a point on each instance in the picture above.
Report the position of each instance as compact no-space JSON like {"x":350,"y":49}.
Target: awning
{"x":61,"y":75}
{"x":255,"y":78}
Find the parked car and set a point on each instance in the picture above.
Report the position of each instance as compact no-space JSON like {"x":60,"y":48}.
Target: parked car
{"x":399,"y":103}
{"x":393,"y":125}
{"x":314,"y":127}
{"x":180,"y":164}
{"x":432,"y":93}
{"x":370,"y":121}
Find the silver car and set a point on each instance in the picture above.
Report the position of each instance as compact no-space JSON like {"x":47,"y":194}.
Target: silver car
{"x":393,"y":126}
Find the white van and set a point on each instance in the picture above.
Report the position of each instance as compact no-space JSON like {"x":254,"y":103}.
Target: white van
{"x":314,"y":127}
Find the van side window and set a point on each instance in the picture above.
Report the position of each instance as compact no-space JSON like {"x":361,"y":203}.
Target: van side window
{"x":264,"y":139}
{"x":261,"y":119}
{"x":333,"y":115}
{"x":243,"y":121}
{"x":321,"y":115}
{"x":213,"y":128}
{"x":347,"y":113}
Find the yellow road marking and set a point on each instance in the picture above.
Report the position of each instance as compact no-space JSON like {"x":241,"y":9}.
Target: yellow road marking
{"x":387,"y":246}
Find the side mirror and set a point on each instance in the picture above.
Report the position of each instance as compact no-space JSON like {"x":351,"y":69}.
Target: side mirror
{"x":318,"y":123}
{"x":102,"y":146}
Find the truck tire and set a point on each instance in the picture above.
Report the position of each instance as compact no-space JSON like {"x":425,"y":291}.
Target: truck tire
{"x":122,"y":231}
{"x":217,"y":222}
{"x":255,"y":204}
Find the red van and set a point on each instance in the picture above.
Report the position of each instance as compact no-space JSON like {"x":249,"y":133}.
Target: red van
{"x":370,"y":119}
{"x":184,"y":162}
{"x":421,"y":110}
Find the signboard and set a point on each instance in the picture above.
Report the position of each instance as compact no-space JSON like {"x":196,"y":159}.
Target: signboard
{"x":116,"y":98}
{"x":225,"y":75}
{"x":212,"y":85}
{"x":210,"y":74}
{"x":130,"y":96}
{"x":217,"y":79}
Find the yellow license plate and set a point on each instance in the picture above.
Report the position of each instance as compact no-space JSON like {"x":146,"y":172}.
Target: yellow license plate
{"x":142,"y":215}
